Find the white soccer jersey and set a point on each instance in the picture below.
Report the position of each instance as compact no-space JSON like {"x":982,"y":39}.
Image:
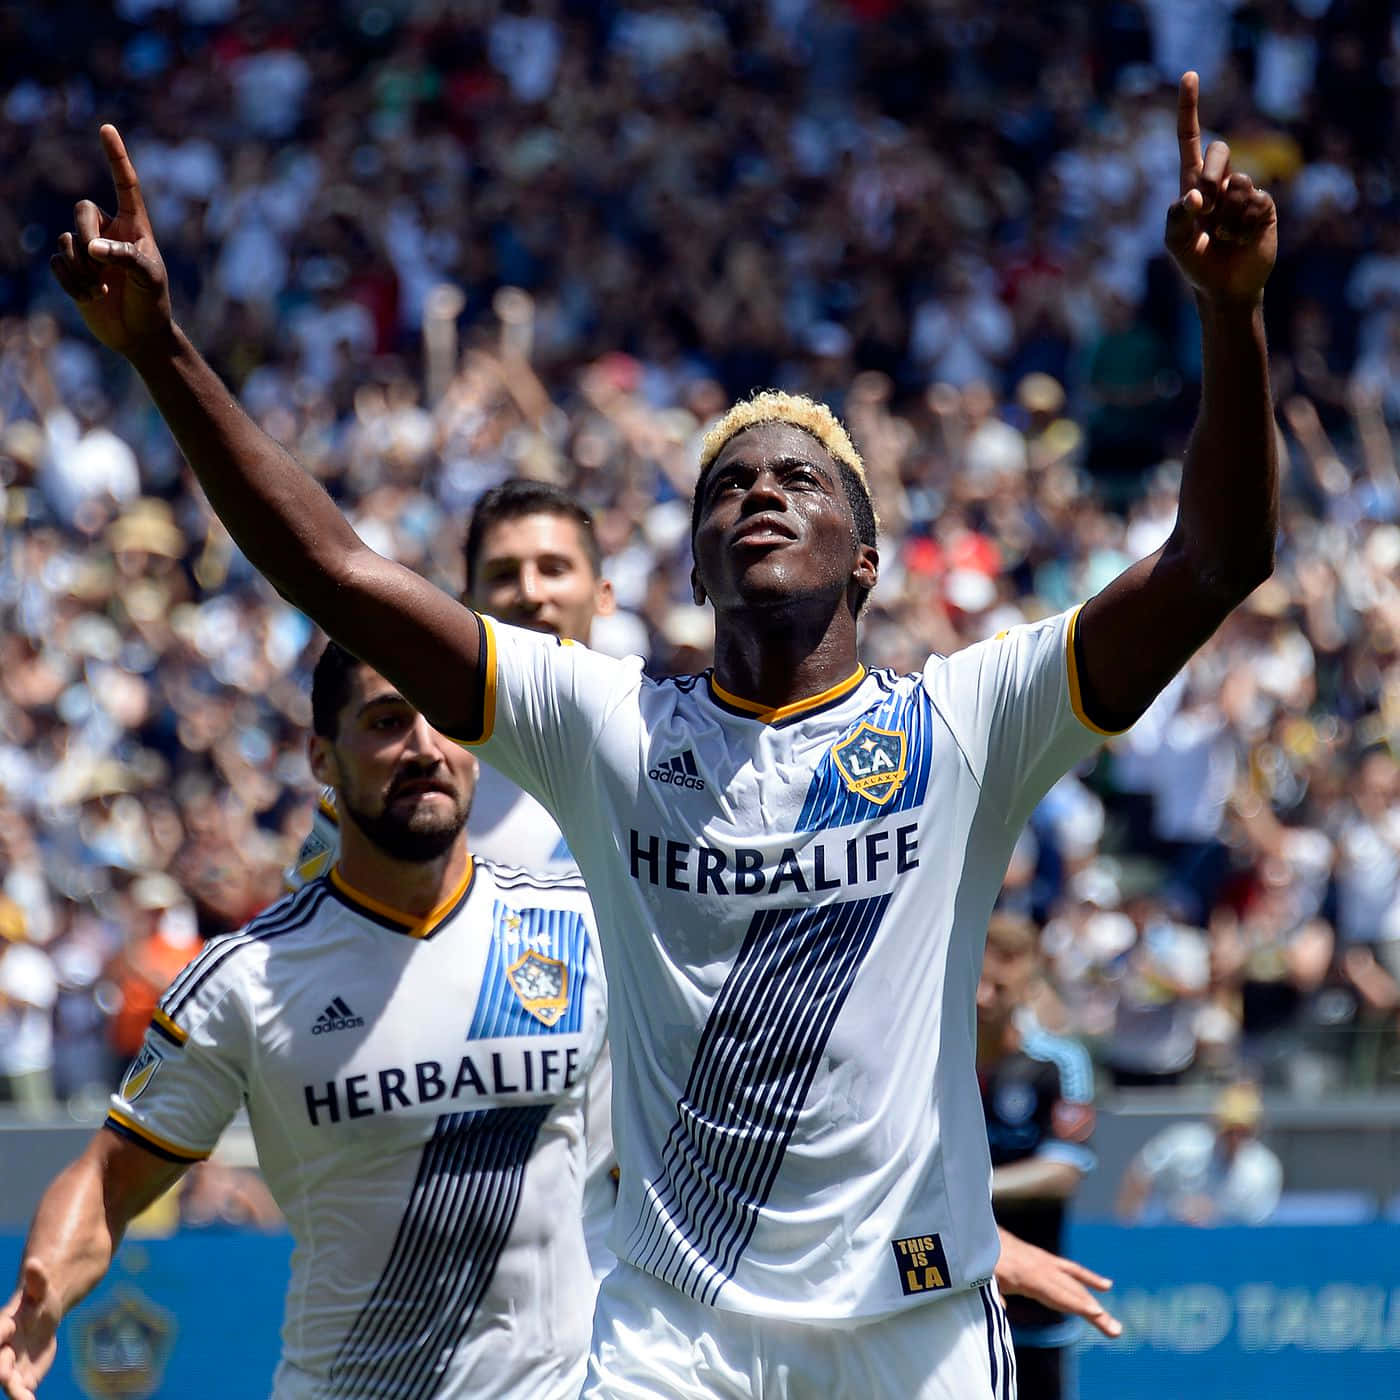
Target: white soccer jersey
{"x":793,"y":905}
{"x":415,"y":1089}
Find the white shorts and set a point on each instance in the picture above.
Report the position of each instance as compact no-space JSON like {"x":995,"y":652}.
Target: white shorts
{"x":651,"y":1342}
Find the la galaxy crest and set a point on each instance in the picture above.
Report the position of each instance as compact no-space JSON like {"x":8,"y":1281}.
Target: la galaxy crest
{"x":873,"y":761}
{"x":123,"y":1347}
{"x":541,"y":983}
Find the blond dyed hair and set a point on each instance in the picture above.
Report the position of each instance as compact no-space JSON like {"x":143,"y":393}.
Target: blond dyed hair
{"x":775,"y":406}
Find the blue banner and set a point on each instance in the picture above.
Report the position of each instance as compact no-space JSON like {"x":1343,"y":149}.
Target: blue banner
{"x":195,"y":1315}
{"x":1237,"y":1313}
{"x":1228,"y":1314}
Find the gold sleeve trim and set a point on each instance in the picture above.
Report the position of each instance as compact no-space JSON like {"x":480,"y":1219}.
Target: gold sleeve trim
{"x":1076,"y":699}
{"x":488,"y":690}
{"x":169,"y":1026}
{"x":172,"y":1149}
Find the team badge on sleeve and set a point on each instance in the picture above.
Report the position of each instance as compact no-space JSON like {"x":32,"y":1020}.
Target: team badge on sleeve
{"x":542,"y":984}
{"x":139,"y":1075}
{"x":874,"y":762}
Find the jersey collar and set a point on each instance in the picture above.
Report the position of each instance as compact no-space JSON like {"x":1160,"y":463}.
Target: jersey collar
{"x":783,"y":714}
{"x":386,"y":916}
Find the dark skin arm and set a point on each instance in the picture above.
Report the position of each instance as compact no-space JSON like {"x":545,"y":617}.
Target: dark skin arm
{"x":76,"y":1230}
{"x":290,"y":529}
{"x":1223,"y":236}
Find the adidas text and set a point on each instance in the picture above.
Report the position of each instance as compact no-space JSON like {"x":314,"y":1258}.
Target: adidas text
{"x":679,"y":771}
{"x":336,"y":1017}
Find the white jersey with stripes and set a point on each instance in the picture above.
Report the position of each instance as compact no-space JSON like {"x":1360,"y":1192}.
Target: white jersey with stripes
{"x":416,"y":1091}
{"x":793,"y":906}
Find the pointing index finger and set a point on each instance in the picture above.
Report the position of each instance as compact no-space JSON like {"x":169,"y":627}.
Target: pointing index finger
{"x":1188,"y":129}
{"x":128,"y":187}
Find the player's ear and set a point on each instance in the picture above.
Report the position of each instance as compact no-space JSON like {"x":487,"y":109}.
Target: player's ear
{"x":604,"y":599}
{"x":865,"y":573}
{"x":697,"y":589}
{"x":321,"y":756}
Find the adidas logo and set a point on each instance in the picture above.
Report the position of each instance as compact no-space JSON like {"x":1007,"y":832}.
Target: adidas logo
{"x":336,"y":1017}
{"x":679,"y":771}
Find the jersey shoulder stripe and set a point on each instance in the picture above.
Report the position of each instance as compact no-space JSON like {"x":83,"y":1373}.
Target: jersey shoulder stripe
{"x":1068,"y":1056}
{"x":286,"y":916}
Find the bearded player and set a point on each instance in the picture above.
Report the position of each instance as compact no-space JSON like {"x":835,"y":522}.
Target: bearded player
{"x":412,"y":1035}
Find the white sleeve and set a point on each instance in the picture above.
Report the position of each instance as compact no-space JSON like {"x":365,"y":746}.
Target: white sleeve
{"x":1014,"y":706}
{"x":191,"y":1075}
{"x":546,"y":703}
{"x":1257,"y":1194}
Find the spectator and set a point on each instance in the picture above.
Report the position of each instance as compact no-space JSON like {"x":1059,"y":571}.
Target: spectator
{"x":1037,"y":1097}
{"x":28,"y":989}
{"x":1215,"y":1173}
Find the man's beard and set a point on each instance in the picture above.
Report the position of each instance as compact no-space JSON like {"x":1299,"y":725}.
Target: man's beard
{"x":416,"y":838}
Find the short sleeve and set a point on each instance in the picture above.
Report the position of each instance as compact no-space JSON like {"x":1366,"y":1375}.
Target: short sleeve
{"x":1257,"y":1193}
{"x":191,"y":1074}
{"x":546,"y":703}
{"x":1071,"y":1127}
{"x":1174,"y":1149}
{"x":1014,"y":706}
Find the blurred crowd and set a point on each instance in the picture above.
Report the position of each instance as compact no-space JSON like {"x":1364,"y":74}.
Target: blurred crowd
{"x":434,"y":245}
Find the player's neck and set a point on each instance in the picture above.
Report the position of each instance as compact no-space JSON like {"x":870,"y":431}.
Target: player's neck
{"x":779,"y":658}
{"x":411,"y":887}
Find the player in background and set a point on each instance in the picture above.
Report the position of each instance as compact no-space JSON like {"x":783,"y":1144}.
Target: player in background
{"x":804,"y":1205}
{"x":532,"y":559}
{"x":1038,"y":1099}
{"x":412,"y":1035}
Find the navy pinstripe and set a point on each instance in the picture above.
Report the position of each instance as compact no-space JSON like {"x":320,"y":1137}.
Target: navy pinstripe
{"x":757,"y":1055}
{"x":459,"y":1217}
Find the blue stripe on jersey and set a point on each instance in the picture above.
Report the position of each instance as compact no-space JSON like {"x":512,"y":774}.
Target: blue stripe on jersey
{"x":1068,"y":1056}
{"x":830,"y":802}
{"x":753,"y":1068}
{"x":288,"y":914}
{"x":451,"y":1237}
{"x":560,"y":935}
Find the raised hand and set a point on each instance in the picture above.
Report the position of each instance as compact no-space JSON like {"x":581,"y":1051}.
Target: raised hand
{"x":28,"y":1333}
{"x":110,"y":265}
{"x":1222,"y":233}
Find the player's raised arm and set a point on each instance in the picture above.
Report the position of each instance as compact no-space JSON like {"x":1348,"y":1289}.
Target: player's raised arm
{"x":1135,"y":635}
{"x":290,"y":529}
{"x":76,"y":1230}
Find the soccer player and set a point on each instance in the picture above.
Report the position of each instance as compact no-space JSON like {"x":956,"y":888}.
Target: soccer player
{"x":793,"y":858}
{"x":1037,"y":1097}
{"x":412,"y":1035}
{"x":532,"y":559}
